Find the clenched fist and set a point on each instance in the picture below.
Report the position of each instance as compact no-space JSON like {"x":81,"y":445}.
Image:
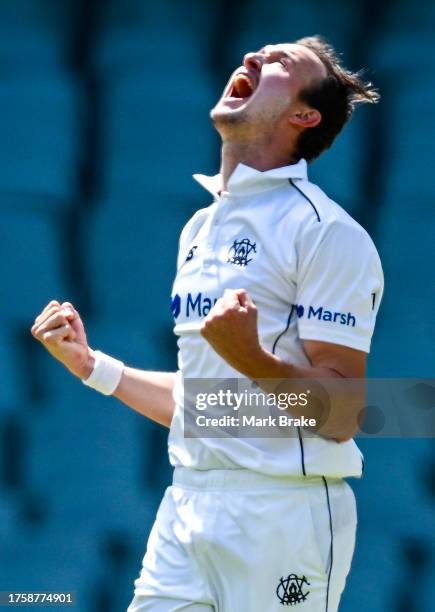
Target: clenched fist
{"x":231,"y":329}
{"x":60,"y":330}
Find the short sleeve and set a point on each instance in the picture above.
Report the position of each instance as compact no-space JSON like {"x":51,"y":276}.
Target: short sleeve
{"x":339,"y":285}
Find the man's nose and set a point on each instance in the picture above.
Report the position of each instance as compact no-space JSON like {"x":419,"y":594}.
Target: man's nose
{"x":253,"y":61}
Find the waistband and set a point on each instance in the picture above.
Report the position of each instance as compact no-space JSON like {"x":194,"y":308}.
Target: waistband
{"x":242,"y":479}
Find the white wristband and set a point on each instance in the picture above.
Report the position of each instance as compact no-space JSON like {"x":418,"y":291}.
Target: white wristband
{"x":106,"y":375}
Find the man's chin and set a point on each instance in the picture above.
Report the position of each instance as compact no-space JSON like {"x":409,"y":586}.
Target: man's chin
{"x":222,"y":114}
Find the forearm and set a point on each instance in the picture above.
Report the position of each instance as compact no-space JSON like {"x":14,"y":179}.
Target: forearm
{"x":334,"y":401}
{"x":334,"y":380}
{"x":149,"y":393}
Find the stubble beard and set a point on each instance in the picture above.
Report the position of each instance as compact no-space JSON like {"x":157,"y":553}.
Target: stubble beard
{"x":232,"y":121}
{"x":240,"y":123}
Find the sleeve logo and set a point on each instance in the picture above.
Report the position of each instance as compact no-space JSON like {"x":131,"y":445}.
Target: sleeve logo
{"x":323,"y":314}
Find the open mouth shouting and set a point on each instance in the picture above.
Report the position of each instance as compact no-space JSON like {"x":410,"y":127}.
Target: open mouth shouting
{"x":239,"y":90}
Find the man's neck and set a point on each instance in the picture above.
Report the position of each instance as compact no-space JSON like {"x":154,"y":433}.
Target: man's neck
{"x":255,"y":155}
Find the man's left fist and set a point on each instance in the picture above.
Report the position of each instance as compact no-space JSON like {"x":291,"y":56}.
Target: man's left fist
{"x":231,"y":329}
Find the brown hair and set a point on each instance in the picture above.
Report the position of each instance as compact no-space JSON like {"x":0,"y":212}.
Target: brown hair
{"x":335,"y":97}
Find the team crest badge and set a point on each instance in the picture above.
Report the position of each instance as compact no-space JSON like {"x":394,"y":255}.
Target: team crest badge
{"x":291,"y":590}
{"x":241,"y":251}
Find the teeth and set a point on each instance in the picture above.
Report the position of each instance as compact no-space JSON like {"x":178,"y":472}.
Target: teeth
{"x":242,"y":87}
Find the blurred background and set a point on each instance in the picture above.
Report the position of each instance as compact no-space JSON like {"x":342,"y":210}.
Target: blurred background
{"x":103,"y":118}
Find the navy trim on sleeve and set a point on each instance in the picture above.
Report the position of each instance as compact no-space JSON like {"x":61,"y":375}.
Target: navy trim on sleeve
{"x":285,"y":330}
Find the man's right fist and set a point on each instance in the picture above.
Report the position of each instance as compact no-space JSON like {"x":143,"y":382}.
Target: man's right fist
{"x":60,"y":329}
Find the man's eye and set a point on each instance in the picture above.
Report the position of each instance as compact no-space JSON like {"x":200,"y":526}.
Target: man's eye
{"x":283,"y":63}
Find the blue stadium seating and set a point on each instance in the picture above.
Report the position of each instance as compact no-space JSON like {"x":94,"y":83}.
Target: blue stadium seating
{"x":35,"y":36}
{"x":337,"y":21}
{"x":40,"y":132}
{"x":32,"y":265}
{"x":338,"y":170}
{"x":157,"y":132}
{"x":134,"y":274}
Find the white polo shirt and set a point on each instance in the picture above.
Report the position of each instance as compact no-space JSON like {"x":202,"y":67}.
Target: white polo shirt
{"x":313,"y":272}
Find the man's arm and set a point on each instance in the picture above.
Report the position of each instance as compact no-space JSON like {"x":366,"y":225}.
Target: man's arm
{"x":60,"y":330}
{"x":149,"y":393}
{"x":231,"y":329}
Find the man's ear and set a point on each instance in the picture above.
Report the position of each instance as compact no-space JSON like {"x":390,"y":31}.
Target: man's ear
{"x":306,"y":118}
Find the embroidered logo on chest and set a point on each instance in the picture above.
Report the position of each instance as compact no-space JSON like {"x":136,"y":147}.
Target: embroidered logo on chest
{"x":241,"y":252}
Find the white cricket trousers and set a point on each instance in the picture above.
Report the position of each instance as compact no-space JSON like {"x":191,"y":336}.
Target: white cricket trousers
{"x":238,"y":541}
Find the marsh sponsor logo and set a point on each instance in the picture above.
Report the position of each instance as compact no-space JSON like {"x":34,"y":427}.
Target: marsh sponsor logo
{"x":193,"y":304}
{"x":176,"y":305}
{"x":323,"y":314}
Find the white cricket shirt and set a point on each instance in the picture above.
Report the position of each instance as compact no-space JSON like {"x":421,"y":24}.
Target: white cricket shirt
{"x":313,"y":272}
